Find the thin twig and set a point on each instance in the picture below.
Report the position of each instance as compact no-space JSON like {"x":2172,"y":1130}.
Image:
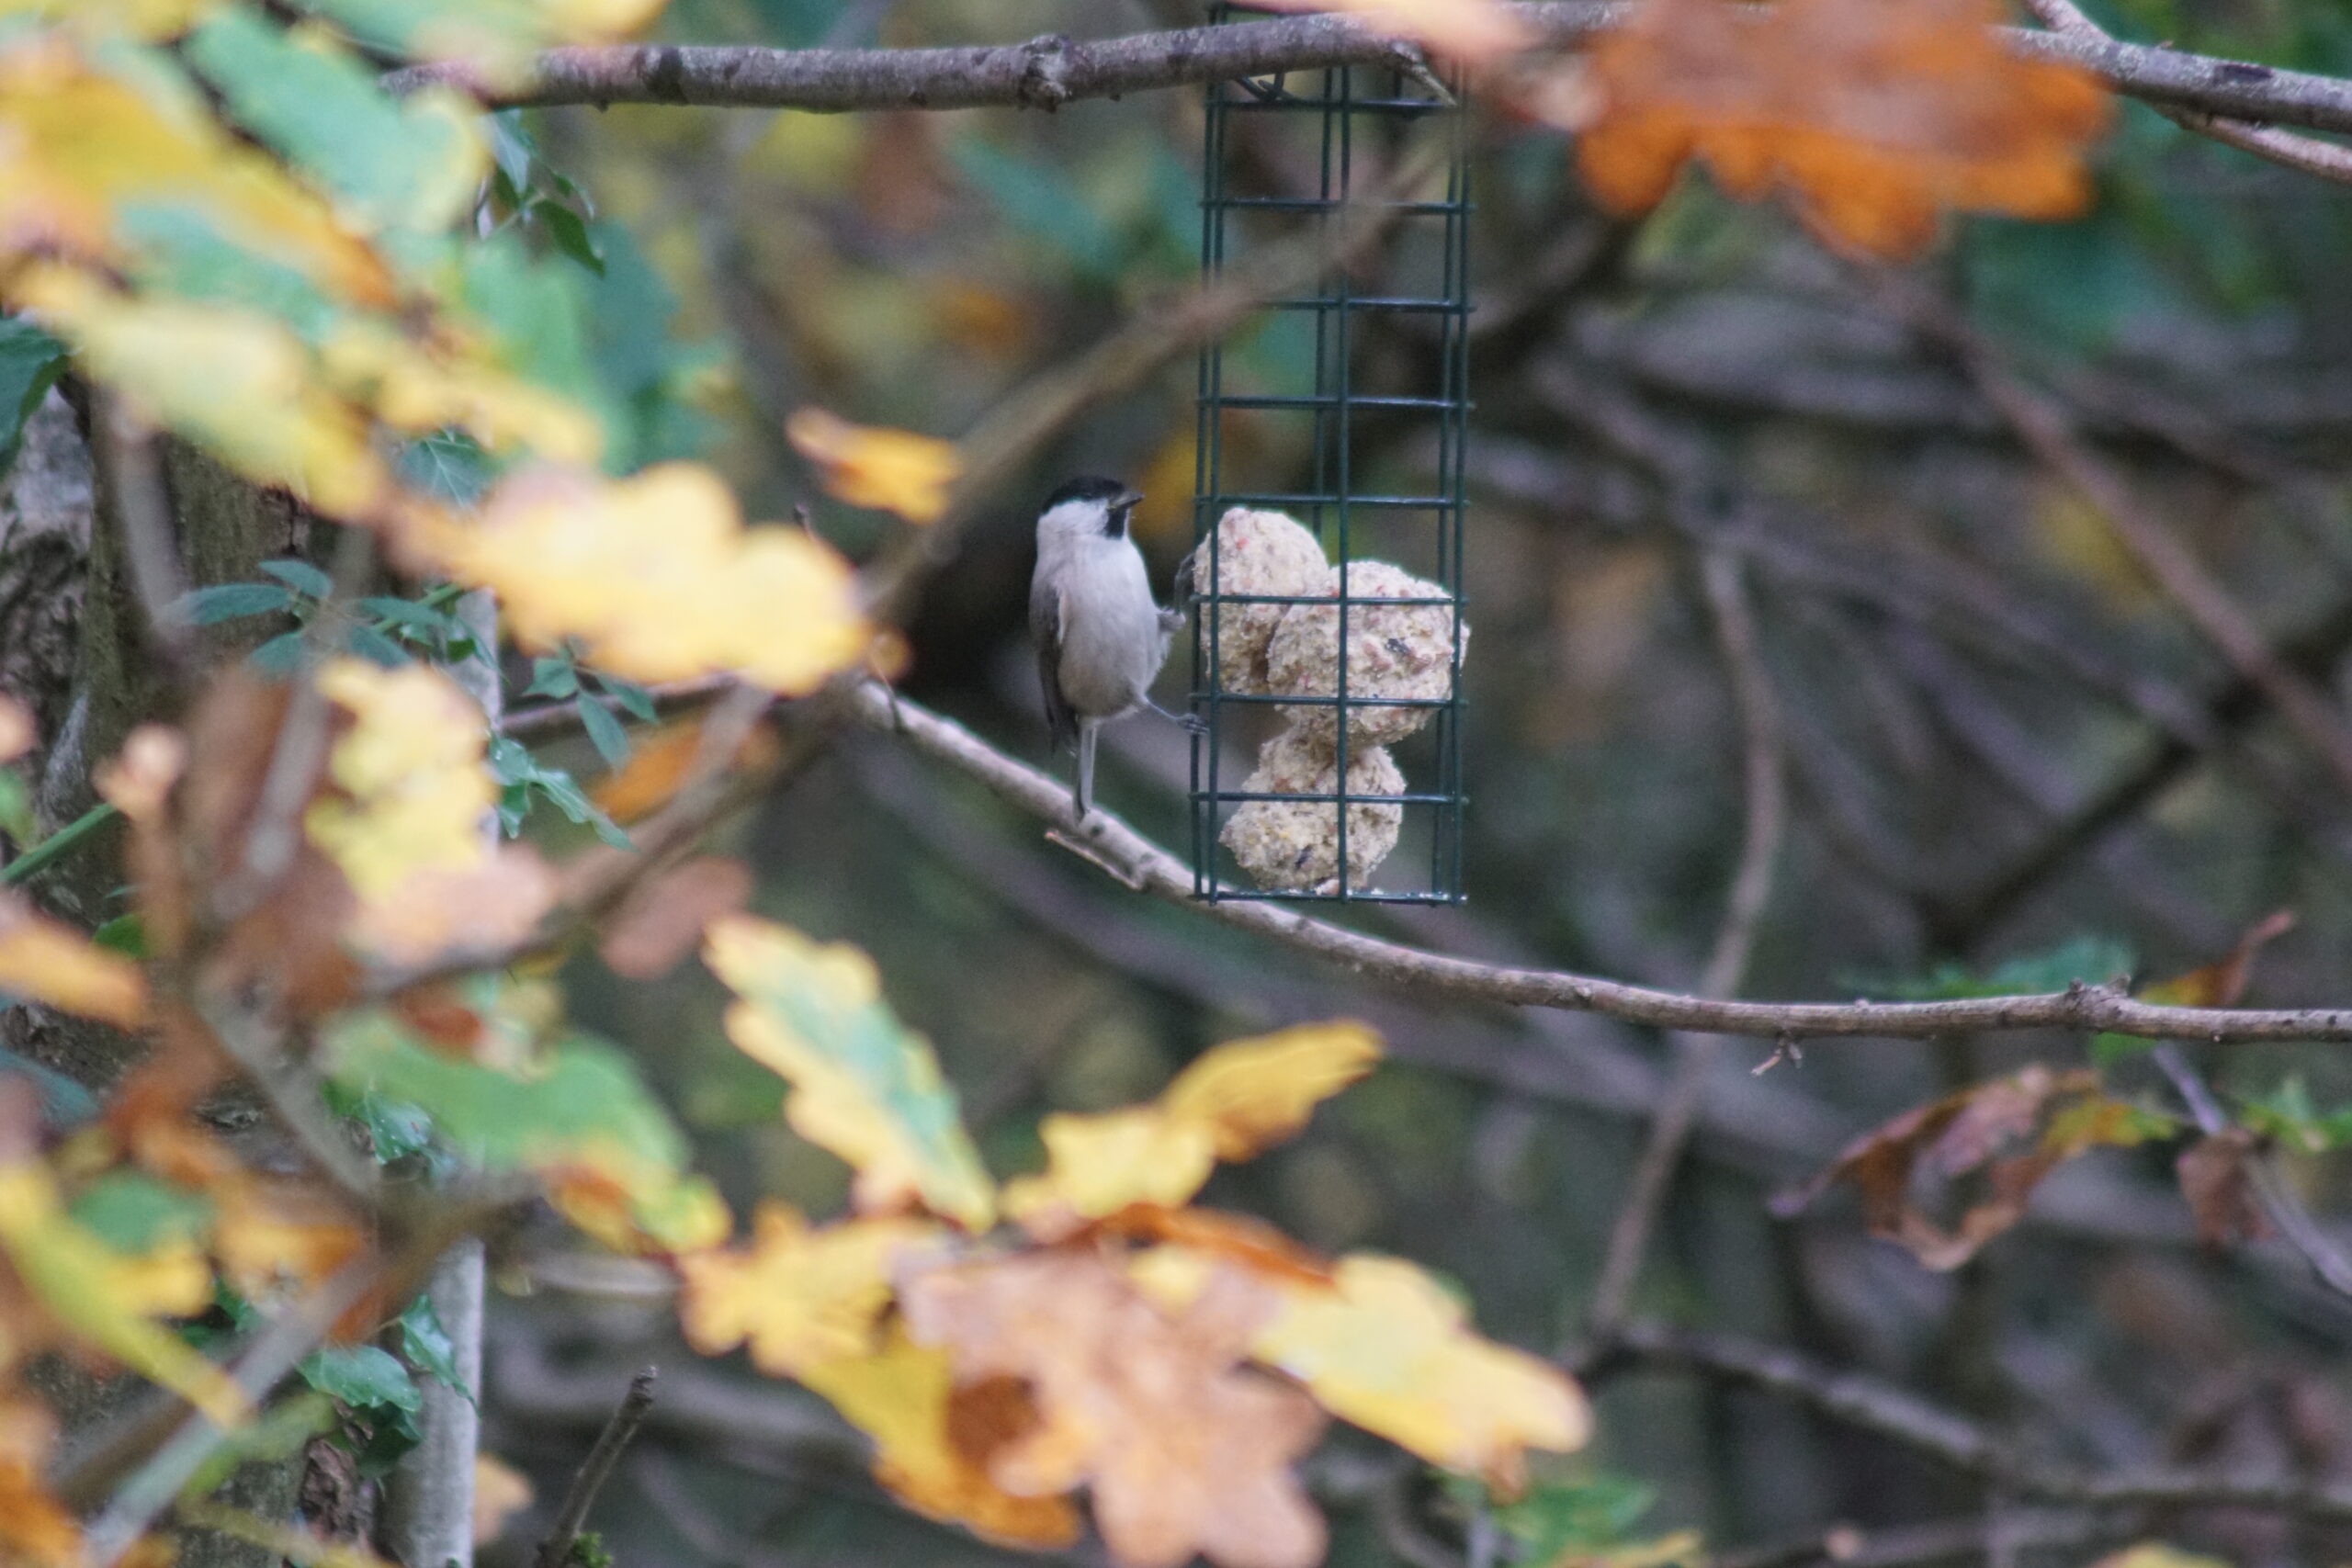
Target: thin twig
{"x":2278,"y":1200}
{"x":1050,"y":71}
{"x":596,"y":1469}
{"x":1869,"y":1404}
{"x":2048,"y":432}
{"x":132,"y":466}
{"x":1766,"y":794}
{"x":1422,"y":974}
{"x":2304,"y":155}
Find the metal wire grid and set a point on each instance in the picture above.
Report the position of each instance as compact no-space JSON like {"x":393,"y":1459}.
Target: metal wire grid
{"x":1388,"y":103}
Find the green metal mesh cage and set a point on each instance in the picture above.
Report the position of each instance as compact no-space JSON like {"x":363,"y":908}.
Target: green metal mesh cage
{"x":1346,"y":408}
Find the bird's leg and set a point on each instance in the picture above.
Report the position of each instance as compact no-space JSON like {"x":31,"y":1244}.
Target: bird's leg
{"x":1082,"y":797}
{"x":1192,"y":724}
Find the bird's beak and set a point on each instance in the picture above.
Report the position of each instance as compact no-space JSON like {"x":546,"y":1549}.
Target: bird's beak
{"x":1127,"y":498}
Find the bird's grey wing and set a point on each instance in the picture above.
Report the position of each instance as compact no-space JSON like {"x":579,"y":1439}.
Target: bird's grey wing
{"x":1045,"y":631}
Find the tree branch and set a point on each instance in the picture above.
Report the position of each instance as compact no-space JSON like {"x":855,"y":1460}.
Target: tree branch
{"x":1872,"y":1406}
{"x":1049,"y":72}
{"x":2080,"y":1007}
{"x":2304,"y":155}
{"x":595,"y":1471}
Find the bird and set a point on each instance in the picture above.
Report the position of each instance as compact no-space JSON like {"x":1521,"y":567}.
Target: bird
{"x":1101,"y":636}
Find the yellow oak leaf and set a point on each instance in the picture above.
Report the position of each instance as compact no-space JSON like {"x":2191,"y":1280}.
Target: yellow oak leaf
{"x":104,"y":1301}
{"x":892,"y":471}
{"x":1097,"y":1166}
{"x":420,"y":391}
{"x":1234,"y":1100}
{"x":657,"y":578}
{"x":797,"y":1296}
{"x":1388,"y":1350}
{"x":902,"y":1397}
{"x":1254,"y":1093}
{"x":233,"y":379}
{"x":499,"y":1492}
{"x":51,"y":962}
{"x":413,"y":791}
{"x":862,"y":1085}
{"x":85,"y":152}
{"x":149,"y":20}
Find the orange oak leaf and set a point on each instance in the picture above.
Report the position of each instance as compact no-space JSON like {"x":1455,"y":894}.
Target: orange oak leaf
{"x":35,"y":1528}
{"x":1875,"y":117}
{"x":2220,"y":983}
{"x":1185,"y":1450}
{"x":1964,"y":1133}
{"x":891,"y":470}
{"x":51,"y":962}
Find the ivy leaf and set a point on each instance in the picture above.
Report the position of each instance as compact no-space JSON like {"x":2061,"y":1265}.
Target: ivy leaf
{"x":429,"y":1349}
{"x":30,"y":363}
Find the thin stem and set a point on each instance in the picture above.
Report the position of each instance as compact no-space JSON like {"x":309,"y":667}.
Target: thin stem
{"x":596,"y":1469}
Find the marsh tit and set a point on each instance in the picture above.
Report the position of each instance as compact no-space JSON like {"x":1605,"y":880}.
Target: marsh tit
{"x":1101,"y":636}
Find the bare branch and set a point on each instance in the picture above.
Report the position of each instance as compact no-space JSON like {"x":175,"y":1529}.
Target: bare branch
{"x":1423,"y":973}
{"x":2200,"y":597}
{"x":1049,"y":72}
{"x":596,"y":1469}
{"x":2304,"y":155}
{"x":1869,"y":1404}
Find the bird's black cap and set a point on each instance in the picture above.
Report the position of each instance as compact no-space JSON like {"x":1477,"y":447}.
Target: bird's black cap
{"x":1112,"y":494}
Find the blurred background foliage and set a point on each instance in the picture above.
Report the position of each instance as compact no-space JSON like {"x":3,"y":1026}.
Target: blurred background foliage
{"x":1980,"y":690}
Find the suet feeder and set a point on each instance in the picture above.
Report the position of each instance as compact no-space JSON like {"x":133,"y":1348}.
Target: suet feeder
{"x":1328,"y":631}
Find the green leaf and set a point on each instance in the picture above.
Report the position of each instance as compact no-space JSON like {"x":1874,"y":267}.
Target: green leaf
{"x":512,"y":764}
{"x":552,"y":677}
{"x":30,"y":363}
{"x":604,"y":731}
{"x":135,"y":1214}
{"x":429,"y":1349}
{"x":395,"y":1131}
{"x":569,"y":232}
{"x":2093,"y":961}
{"x":579,"y":1105}
{"x":408,"y":616}
{"x":389,"y":163}
{"x":376,"y":648}
{"x":302,"y":576}
{"x":280,"y":656}
{"x":363,"y":1377}
{"x":634,"y":699}
{"x":234,"y":602}
{"x":126,"y":934}
{"x":16,"y":817}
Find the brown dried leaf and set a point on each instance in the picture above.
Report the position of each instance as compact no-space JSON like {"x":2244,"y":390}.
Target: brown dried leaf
{"x":2220,"y":983}
{"x":1962,"y":1132}
{"x":1187,"y":1451}
{"x":2217,"y":1178}
{"x":663,"y":920}
{"x":1873,"y":118}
